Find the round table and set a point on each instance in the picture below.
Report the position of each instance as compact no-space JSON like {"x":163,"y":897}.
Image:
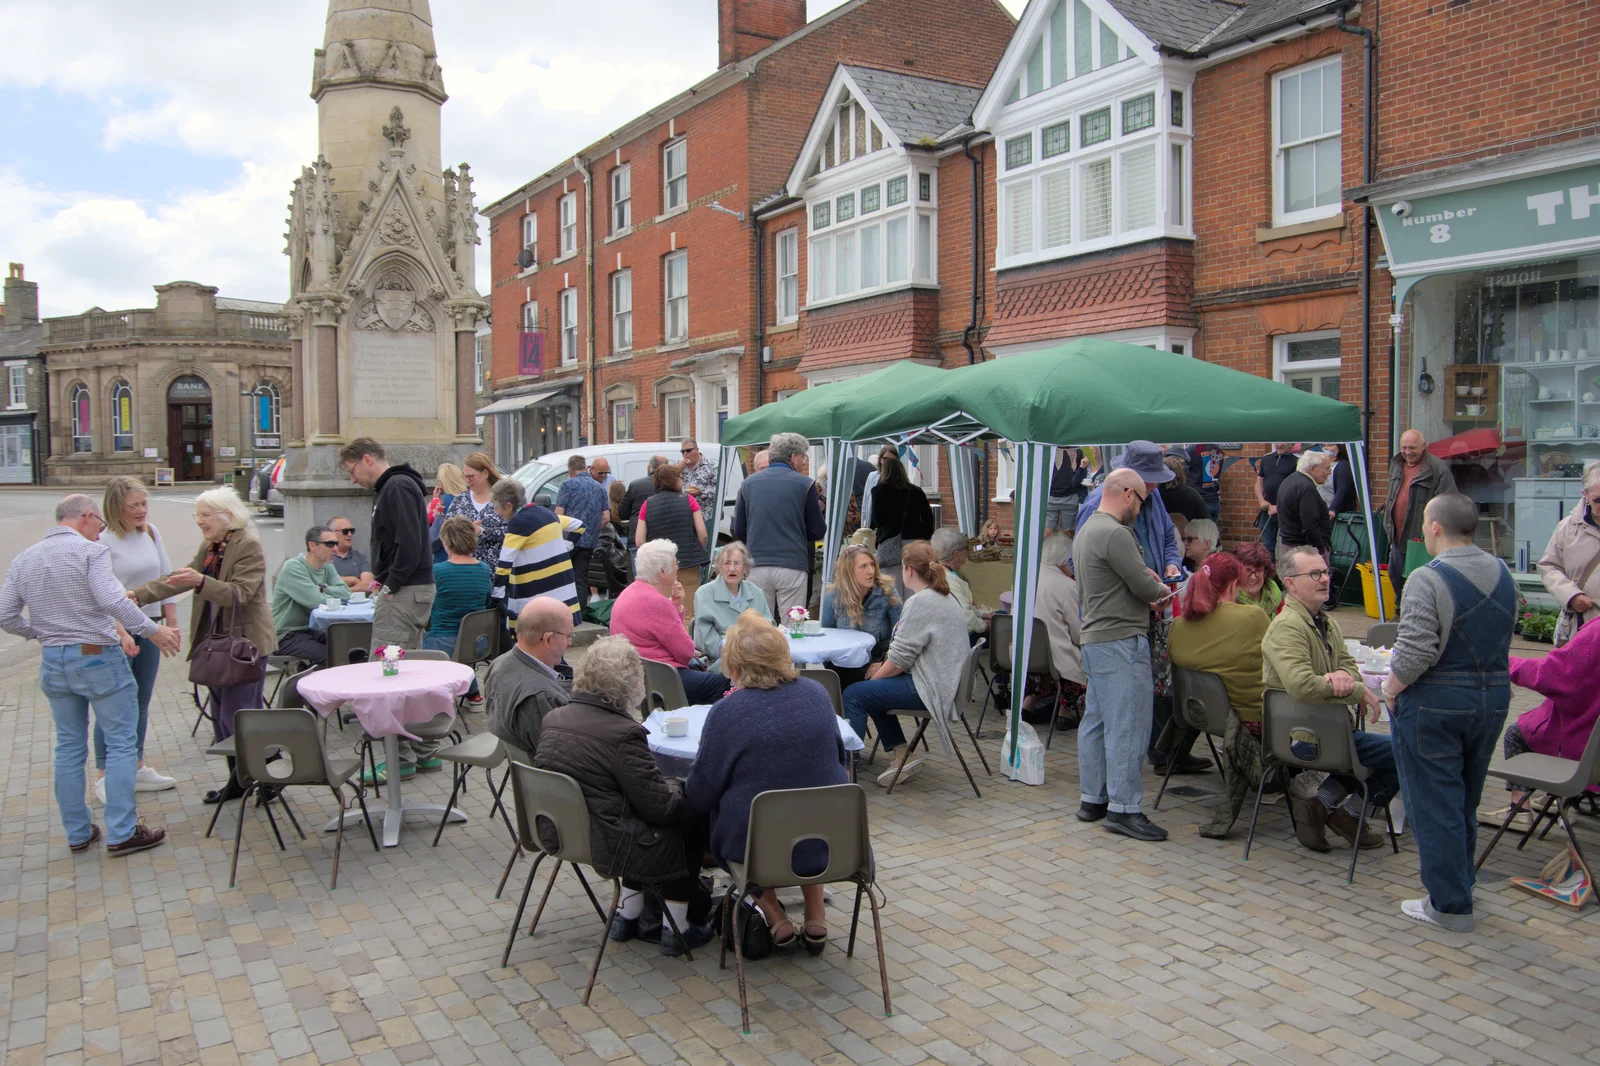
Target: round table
{"x":675,"y":755}
{"x":841,"y":647}
{"x":385,"y":706}
{"x":354,"y":611}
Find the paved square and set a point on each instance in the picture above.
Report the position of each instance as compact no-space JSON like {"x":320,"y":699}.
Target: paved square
{"x":1015,"y":935}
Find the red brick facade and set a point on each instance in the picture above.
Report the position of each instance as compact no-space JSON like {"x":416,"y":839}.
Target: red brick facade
{"x":1141,"y":285}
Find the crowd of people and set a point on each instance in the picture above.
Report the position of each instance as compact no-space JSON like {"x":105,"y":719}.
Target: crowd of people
{"x":1133,"y":583}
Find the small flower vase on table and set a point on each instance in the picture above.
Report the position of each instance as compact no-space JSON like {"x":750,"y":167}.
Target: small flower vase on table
{"x":391,"y":660}
{"x":797,"y":621}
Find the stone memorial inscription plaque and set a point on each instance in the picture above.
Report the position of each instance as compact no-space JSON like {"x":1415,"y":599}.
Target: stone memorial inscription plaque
{"x":393,"y":375}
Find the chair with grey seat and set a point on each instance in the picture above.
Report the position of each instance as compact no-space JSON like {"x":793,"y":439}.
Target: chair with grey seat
{"x":483,"y":750}
{"x":1563,"y":781}
{"x":283,"y":667}
{"x":348,"y":642}
{"x":829,"y":680}
{"x":781,"y":819}
{"x":558,"y":800}
{"x":288,"y":696}
{"x":1382,"y":634}
{"x":513,"y":754}
{"x":1202,"y":701}
{"x":923,"y":717}
{"x":440,"y":727}
{"x":291,"y":734}
{"x":1040,"y":662}
{"x":663,"y":688}
{"x":1330,"y":727}
{"x":480,"y":629}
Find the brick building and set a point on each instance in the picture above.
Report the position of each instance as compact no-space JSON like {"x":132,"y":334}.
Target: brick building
{"x":1486,"y":190}
{"x":23,"y":436}
{"x":631,"y":271}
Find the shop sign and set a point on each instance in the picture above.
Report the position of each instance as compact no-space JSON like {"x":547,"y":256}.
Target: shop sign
{"x":267,"y":442}
{"x":1493,"y":223}
{"x":189,"y":389}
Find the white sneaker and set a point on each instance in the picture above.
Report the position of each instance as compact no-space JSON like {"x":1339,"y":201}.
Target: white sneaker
{"x":146,"y":779}
{"x":909,"y":770}
{"x":1418,"y":909}
{"x":100,"y":790}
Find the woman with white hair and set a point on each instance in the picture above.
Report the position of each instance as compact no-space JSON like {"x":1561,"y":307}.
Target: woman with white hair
{"x":719,"y":603}
{"x":640,"y":828}
{"x":650,"y":614}
{"x":228,"y":577}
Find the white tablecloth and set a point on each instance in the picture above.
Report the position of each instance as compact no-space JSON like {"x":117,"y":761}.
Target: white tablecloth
{"x":675,"y":755}
{"x":350,"y":612}
{"x":841,"y":647}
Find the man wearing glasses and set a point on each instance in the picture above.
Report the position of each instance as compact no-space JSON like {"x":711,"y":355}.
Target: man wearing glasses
{"x":1305,"y":655}
{"x":1115,"y":592}
{"x":350,"y":563}
{"x":699,"y":473}
{"x":74,"y":604}
{"x":305,"y":582}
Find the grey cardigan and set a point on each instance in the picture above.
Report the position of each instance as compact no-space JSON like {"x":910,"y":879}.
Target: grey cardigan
{"x":931,"y":645}
{"x":715,"y":611}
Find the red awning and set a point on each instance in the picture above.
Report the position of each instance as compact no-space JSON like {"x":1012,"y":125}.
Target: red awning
{"x":1473,"y":442}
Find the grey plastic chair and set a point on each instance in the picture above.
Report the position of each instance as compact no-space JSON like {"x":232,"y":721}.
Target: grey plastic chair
{"x":349,"y":642}
{"x":558,"y":799}
{"x":289,"y":691}
{"x":1201,"y":700}
{"x":1563,"y":780}
{"x":514,"y":754}
{"x":440,"y":727}
{"x":662,"y":683}
{"x":924,"y":717}
{"x":292,"y":732}
{"x":1039,"y":662}
{"x":782,"y":818}
{"x":829,"y":680}
{"x":428,"y":655}
{"x":479,"y":625}
{"x":483,"y":750}
{"x":283,"y":667}
{"x":1382,"y":634}
{"x":1333,"y":731}
{"x":288,"y":696}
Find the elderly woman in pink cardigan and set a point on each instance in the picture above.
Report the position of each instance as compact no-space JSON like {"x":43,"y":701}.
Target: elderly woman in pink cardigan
{"x":650,"y":614}
{"x":1560,"y":725}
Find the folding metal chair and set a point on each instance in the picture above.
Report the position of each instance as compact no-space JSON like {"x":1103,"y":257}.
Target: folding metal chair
{"x":1202,"y":701}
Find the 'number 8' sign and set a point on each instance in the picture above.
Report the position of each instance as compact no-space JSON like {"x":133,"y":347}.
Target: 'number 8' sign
{"x":1439,"y":234}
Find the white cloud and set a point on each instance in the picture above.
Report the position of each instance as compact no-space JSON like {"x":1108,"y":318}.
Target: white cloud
{"x":530,"y":84}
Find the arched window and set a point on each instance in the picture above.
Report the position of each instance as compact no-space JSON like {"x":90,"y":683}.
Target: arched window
{"x":82,"y":435}
{"x":121,"y":417}
{"x":268,"y":416}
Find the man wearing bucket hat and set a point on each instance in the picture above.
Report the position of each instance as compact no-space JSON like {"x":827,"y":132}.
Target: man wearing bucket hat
{"x":1157,"y":536}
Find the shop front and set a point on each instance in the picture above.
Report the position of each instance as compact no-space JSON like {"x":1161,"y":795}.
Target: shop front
{"x":526,"y":425}
{"x":1497,"y":300}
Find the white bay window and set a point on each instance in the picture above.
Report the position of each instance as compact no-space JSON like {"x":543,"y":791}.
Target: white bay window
{"x":870,"y":236}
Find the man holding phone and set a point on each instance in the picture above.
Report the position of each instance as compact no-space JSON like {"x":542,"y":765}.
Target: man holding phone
{"x":1116,"y":592}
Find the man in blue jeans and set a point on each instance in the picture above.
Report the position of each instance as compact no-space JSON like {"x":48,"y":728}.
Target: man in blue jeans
{"x":73,"y":602}
{"x":1115,"y":591}
{"x":1451,"y":682}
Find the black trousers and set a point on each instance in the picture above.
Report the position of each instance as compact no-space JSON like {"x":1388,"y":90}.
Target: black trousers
{"x":580,"y":573}
{"x":304,"y":644}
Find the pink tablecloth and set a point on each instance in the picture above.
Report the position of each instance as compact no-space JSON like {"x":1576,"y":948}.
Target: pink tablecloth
{"x":386,"y":705}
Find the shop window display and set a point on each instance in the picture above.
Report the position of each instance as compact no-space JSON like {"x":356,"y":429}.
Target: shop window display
{"x":1500,"y":370}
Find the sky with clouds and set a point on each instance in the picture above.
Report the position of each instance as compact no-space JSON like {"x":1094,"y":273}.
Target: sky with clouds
{"x":150,"y":140}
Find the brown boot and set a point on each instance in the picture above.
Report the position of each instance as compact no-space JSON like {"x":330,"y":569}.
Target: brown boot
{"x":1344,"y":823}
{"x":1310,"y":818}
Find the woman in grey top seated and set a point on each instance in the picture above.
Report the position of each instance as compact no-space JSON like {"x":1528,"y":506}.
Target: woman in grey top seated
{"x":923,"y":667}
{"x":860,"y":597}
{"x":719,"y":602}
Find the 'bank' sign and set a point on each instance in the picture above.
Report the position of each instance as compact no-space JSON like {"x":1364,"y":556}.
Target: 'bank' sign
{"x":1491,"y":224}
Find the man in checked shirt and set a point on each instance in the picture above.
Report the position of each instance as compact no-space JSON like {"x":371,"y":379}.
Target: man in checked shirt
{"x":74,"y":606}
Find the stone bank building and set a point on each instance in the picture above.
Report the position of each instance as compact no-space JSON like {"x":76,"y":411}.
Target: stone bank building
{"x":199,"y":384}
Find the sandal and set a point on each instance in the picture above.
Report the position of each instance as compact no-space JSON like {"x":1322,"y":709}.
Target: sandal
{"x":816,"y":941}
{"x":785,"y":945}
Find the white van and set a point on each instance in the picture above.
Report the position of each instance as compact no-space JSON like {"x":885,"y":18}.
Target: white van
{"x":542,"y":477}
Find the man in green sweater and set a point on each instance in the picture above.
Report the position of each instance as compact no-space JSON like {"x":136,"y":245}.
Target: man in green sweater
{"x":306,"y":582}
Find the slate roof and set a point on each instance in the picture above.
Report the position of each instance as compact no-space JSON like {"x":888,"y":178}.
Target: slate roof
{"x":18,"y":341}
{"x":917,"y":110}
{"x":264,"y":307}
{"x":1199,"y":26}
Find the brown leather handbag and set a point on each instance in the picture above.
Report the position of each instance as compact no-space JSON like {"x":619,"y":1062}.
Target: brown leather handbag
{"x":223,"y":660}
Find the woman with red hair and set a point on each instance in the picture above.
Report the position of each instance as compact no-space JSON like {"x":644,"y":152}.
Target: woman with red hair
{"x":1258,"y":583}
{"x":1221,"y":636}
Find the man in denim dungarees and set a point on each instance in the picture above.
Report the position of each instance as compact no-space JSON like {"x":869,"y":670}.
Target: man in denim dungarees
{"x":1451,"y":677}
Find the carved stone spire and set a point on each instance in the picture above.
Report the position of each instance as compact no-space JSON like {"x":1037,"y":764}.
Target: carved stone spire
{"x":388,"y":42}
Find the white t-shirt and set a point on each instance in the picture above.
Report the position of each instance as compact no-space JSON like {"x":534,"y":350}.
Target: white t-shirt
{"x":138,"y":558}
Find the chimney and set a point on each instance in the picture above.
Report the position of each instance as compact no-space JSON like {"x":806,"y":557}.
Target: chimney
{"x":745,"y":27}
{"x":22,"y":298}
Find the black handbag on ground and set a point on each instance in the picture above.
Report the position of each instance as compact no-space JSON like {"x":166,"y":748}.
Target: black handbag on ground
{"x":225,"y":660}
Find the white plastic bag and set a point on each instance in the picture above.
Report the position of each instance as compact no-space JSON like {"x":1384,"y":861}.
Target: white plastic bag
{"x":1029,"y":768}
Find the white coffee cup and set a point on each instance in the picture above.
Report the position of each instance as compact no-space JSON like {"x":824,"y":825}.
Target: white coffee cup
{"x":358,"y":597}
{"x":676,"y":725}
{"x":1544,"y":392}
{"x":813,"y":626}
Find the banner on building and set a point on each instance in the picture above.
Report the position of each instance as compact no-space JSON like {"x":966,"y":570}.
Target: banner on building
{"x":530,"y":353}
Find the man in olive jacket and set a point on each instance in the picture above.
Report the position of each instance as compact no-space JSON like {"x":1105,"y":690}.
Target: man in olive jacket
{"x":522,"y":686}
{"x":1416,"y":476}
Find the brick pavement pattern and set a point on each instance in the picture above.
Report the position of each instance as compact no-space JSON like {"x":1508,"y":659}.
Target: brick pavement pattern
{"x":1016,"y":935}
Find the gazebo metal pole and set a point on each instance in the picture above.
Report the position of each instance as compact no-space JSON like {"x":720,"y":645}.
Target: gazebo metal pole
{"x":1360,"y":451}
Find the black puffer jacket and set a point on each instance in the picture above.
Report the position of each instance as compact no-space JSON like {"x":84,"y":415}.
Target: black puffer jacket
{"x":634,"y":812}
